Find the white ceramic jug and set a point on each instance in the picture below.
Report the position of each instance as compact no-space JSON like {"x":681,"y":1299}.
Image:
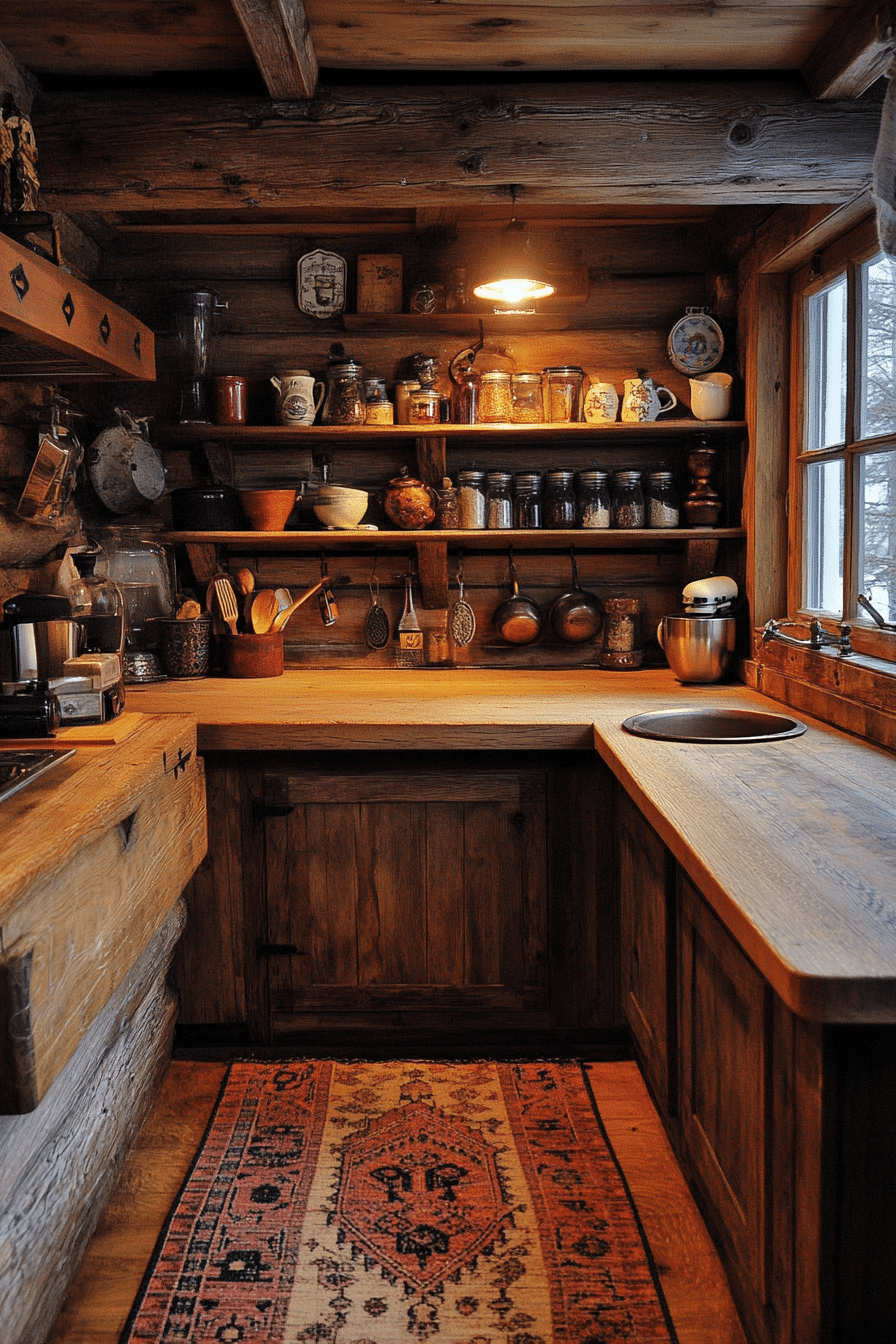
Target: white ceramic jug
{"x":300,"y":396}
{"x":643,"y":400}
{"x":711,"y":395}
{"x":601,"y":403}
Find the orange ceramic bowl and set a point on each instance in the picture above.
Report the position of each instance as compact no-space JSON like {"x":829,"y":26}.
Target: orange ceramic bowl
{"x":268,"y":510}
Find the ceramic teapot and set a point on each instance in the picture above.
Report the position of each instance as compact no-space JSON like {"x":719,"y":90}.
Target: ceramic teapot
{"x":643,"y":400}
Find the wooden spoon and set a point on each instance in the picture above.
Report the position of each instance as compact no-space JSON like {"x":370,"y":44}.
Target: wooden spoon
{"x":264,"y":608}
{"x":283,"y":616}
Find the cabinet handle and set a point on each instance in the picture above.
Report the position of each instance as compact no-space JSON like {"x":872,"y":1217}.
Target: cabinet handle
{"x":265,"y":950}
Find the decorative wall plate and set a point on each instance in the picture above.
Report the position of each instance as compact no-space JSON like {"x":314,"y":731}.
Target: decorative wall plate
{"x":320,"y":283}
{"x":695,"y":342}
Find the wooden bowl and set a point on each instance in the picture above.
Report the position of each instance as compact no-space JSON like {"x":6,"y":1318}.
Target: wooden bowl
{"x":268,"y":510}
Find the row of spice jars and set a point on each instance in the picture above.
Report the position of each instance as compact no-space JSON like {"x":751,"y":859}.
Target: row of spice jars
{"x":494,"y":500}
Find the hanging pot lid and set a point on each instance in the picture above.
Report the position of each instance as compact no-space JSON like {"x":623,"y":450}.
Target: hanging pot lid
{"x":125,"y":469}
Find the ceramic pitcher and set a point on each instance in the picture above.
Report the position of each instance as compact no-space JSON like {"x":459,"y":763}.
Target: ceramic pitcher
{"x":299,"y":396}
{"x":643,"y":400}
{"x":601,"y":403}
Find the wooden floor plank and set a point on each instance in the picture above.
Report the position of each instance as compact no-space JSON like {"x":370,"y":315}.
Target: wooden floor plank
{"x":99,"y":1300}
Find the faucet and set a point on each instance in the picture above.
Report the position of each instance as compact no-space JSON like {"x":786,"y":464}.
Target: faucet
{"x":819,"y":638}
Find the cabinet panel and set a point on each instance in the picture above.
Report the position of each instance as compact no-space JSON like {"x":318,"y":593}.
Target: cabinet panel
{"x":396,"y":904}
{"x":725,"y":1020}
{"x":647,"y":891}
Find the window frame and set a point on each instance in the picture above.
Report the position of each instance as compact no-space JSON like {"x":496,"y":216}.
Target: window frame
{"x":844,"y":257}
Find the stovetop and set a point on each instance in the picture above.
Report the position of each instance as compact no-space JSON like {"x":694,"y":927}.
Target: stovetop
{"x":20,"y":766}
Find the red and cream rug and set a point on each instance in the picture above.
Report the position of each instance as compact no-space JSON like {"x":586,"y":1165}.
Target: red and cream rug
{"x":374,"y":1203}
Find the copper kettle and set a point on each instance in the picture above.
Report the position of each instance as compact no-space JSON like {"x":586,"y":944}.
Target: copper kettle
{"x":411,"y":504}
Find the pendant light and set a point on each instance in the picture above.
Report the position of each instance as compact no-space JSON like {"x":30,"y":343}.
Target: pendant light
{"x":515,"y":277}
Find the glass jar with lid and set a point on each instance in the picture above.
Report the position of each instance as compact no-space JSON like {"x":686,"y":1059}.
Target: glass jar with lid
{"x":379,"y":408}
{"x":593,"y":499}
{"x":526,"y":403}
{"x":471,"y":498}
{"x":662,"y":505}
{"x":627,"y":508}
{"x":559,"y":499}
{"x":494,"y":398}
{"x":403,"y":390}
{"x":563,"y":393}
{"x":344,"y":402}
{"x":527,"y":500}
{"x":423,"y":406}
{"x":498,"y":500}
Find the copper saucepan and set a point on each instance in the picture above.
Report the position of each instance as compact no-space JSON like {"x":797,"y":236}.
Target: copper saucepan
{"x":518,"y":619}
{"x":577,"y":616}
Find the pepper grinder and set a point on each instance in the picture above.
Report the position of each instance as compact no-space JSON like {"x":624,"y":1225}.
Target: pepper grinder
{"x":702,"y":504}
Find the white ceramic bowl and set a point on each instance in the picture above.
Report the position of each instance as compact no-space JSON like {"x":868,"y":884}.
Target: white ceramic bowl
{"x":340,"y":506}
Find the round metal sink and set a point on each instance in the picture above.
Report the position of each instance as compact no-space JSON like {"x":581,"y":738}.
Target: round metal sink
{"x":714,"y":725}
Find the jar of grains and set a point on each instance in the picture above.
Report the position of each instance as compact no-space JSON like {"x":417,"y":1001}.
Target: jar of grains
{"x":471,"y":498}
{"x":622,"y":634}
{"x":498,"y":500}
{"x":559,"y":499}
{"x":661,"y":500}
{"x":526,"y":402}
{"x":494,"y":398}
{"x":593,"y":499}
{"x":627,"y":508}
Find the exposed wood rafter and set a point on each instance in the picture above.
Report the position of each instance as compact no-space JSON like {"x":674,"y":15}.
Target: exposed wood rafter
{"x":278,"y":33}
{"x":708,"y":143}
{"x":856,"y":52}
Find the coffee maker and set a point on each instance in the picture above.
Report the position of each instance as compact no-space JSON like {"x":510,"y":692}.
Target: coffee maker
{"x":45,"y":672}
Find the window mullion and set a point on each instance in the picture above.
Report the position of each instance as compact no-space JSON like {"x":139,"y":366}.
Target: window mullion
{"x":855,"y":352}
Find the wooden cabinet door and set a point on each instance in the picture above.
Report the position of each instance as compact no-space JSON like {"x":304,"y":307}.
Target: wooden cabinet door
{"x":398,"y":897}
{"x":647,"y":889}
{"x":725,"y":1110}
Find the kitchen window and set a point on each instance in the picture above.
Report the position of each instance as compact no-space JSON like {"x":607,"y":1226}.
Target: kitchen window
{"x":844,"y":526}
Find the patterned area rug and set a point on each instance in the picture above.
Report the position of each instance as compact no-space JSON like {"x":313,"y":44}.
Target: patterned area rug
{"x":372,"y":1203}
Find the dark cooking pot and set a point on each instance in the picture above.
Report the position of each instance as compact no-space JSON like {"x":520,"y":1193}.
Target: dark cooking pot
{"x":206,"y":508}
{"x":518,"y":619}
{"x":576,"y":616}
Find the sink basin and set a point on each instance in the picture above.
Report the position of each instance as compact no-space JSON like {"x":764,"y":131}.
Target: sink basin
{"x":714,"y":725}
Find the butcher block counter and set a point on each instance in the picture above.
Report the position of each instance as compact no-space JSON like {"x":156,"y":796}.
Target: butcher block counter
{"x":793,"y":843}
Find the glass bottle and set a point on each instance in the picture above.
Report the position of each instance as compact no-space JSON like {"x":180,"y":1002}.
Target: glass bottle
{"x":527,"y":500}
{"x":465,"y":397}
{"x":498,"y":500}
{"x":593,"y":499}
{"x":559,"y":499}
{"x":344,"y":403}
{"x":527,"y":405}
{"x":494,"y":398}
{"x":627,"y":509}
{"x":379,"y":410}
{"x":447,"y":505}
{"x":661,"y":500}
{"x":621,"y":649}
{"x":97,"y":606}
{"x":471,"y":493}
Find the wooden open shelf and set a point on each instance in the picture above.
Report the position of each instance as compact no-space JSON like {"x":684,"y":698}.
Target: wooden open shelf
{"x":251,"y":436}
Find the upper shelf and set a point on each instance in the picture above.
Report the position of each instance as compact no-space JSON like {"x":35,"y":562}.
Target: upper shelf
{"x":249,"y":436}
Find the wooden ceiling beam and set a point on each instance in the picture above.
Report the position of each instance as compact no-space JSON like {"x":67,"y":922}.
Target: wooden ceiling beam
{"x":279,"y":35}
{"x":856,"y":52}
{"x":705,"y":143}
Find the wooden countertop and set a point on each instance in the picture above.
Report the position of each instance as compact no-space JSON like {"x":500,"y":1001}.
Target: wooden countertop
{"x":793,"y":843}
